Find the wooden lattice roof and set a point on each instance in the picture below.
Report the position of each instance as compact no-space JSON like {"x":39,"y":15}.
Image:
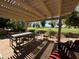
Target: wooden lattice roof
{"x":30,"y":10}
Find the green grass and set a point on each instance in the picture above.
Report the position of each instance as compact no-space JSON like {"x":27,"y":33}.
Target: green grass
{"x":64,"y":30}
{"x":74,"y":30}
{"x":46,"y":29}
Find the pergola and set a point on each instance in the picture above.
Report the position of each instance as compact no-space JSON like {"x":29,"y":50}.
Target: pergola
{"x":34,"y":10}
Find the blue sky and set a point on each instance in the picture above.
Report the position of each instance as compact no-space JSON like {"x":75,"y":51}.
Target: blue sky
{"x":47,"y":24}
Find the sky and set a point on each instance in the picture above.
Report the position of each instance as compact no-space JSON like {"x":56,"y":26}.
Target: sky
{"x":77,"y":8}
{"x":47,"y":24}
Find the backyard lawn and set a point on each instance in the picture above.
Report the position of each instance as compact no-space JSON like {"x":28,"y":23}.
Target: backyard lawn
{"x":64,"y":30}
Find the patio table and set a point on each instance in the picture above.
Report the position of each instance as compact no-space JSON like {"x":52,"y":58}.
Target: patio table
{"x":21,"y":34}
{"x":20,"y":39}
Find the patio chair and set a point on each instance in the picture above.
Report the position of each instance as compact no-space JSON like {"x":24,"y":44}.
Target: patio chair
{"x":75,"y":46}
{"x":55,"y":55}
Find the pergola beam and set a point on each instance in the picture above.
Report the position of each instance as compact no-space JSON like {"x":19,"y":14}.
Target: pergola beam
{"x":18,"y":9}
{"x":9,"y":15}
{"x":13,"y":13}
{"x":40,"y":9}
{"x":29,"y":8}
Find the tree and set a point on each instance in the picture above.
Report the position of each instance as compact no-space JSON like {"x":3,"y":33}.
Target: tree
{"x":18,"y":26}
{"x":43,"y":23}
{"x":34,"y":25}
{"x":3,"y":22}
{"x":52,"y":24}
{"x":37,"y":25}
{"x":11,"y":24}
{"x":73,"y":20}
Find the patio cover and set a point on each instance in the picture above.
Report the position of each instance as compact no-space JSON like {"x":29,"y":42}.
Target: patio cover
{"x":33,"y":10}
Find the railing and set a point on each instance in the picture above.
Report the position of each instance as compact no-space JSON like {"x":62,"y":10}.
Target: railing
{"x":63,"y":51}
{"x":66,"y":51}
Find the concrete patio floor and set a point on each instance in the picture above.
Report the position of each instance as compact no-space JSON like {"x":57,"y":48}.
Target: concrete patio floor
{"x":5,"y":49}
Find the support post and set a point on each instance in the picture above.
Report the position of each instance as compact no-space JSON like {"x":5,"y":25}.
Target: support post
{"x":59,"y":30}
